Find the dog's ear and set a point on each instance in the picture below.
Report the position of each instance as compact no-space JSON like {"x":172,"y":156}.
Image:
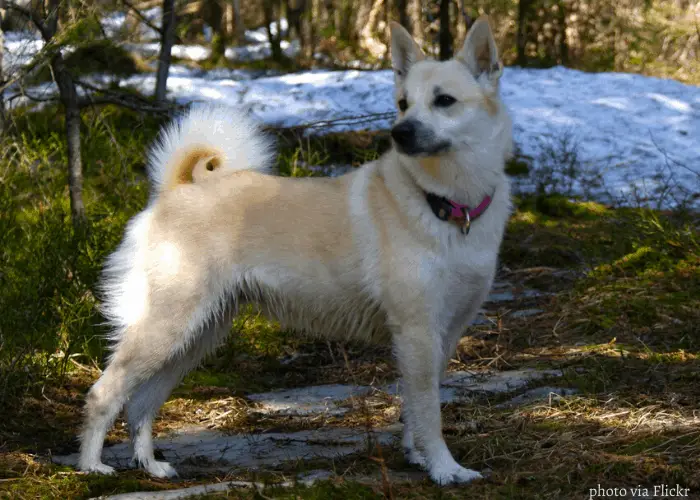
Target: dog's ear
{"x":405,"y":52}
{"x":480,"y":53}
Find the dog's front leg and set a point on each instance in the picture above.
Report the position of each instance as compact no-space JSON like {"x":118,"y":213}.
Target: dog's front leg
{"x":408,"y":443}
{"x":419,"y":354}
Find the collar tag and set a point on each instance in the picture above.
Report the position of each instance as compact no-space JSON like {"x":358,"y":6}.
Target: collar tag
{"x":467,"y":225}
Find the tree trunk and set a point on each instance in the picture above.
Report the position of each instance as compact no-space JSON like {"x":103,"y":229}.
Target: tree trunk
{"x":238,"y":19}
{"x":346,"y":31}
{"x":69,"y":99}
{"x":313,"y":15}
{"x":167,"y":40}
{"x":369,"y":40}
{"x":309,"y":29}
{"x":402,"y":7}
{"x":278,"y":19}
{"x":456,"y":27}
{"x":326,"y":19}
{"x":445,"y":34}
{"x":362,"y":16}
{"x":416,"y":20}
{"x":295,"y":15}
{"x":523,"y":18}
{"x":563,"y":43}
{"x":2,"y":73}
{"x":386,"y":38}
{"x":275,"y":45}
{"x":338,"y":17}
{"x":215,"y":15}
{"x":228,"y":20}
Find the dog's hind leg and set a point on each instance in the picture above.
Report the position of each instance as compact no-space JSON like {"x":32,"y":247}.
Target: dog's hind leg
{"x":141,"y":410}
{"x":103,"y":403}
{"x":142,"y":407}
{"x":140,"y":358}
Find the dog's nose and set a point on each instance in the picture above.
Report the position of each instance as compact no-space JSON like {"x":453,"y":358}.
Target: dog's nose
{"x":404,"y":133}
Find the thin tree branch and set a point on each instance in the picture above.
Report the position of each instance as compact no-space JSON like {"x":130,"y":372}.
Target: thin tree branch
{"x":96,"y":96}
{"x":33,"y":98}
{"x":24,"y":71}
{"x":30,"y":16}
{"x":143,"y":18}
{"x":346,"y":120}
{"x":147,"y":21}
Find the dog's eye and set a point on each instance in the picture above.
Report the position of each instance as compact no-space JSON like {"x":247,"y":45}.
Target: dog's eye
{"x":444,"y":101}
{"x":403,"y":104}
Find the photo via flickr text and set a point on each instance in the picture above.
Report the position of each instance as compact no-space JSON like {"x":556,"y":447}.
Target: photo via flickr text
{"x":639,"y":491}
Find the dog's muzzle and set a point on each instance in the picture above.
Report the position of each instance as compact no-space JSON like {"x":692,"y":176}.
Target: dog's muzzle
{"x":413,"y":139}
{"x":404,"y":134}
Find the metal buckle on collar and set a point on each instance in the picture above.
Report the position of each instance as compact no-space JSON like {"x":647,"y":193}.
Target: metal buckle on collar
{"x":466,"y":226}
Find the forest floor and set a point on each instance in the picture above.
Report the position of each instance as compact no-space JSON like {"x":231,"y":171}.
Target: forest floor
{"x":581,"y":373}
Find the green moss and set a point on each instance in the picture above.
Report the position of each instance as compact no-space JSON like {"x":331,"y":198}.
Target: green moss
{"x":218,"y":48}
{"x":100,"y":56}
{"x":284,"y":65}
{"x":64,"y":483}
{"x":561,"y":206}
{"x":209,"y":378}
{"x":517,"y":168}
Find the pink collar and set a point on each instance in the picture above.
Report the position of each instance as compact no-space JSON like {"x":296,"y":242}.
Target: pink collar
{"x":462,"y":215}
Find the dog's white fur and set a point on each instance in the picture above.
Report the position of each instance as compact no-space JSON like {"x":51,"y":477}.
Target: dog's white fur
{"x":360,"y":256}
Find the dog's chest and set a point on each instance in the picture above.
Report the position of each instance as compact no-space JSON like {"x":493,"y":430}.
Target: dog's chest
{"x":463,"y":272}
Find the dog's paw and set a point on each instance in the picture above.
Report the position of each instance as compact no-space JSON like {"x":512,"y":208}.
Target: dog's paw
{"x":98,"y":468}
{"x":415,"y":457}
{"x":158,"y":469}
{"x":453,"y":473}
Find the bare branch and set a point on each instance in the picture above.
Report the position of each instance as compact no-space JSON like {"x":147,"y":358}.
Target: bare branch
{"x":96,"y":96}
{"x":669,"y":160}
{"x":33,"y":98}
{"x":346,"y":120}
{"x":38,"y":59}
{"x":147,"y":21}
{"x":143,"y":18}
{"x":29,"y":14}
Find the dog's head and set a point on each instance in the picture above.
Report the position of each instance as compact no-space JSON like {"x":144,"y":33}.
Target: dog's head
{"x":445,"y":106}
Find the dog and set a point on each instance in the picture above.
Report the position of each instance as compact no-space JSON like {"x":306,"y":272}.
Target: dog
{"x":403,"y":249}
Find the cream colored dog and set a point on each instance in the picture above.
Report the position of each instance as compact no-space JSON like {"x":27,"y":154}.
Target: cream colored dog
{"x":404,"y":248}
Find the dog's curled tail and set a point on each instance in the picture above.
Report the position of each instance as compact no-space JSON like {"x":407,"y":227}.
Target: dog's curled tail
{"x":204,"y":139}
